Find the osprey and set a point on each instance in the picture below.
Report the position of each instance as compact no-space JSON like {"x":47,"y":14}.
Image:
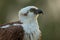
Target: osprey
{"x":26,"y":28}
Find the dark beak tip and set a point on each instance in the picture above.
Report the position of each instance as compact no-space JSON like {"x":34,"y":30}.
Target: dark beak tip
{"x":40,"y":11}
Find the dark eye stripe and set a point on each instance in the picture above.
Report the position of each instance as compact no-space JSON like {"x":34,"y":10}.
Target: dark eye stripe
{"x":25,"y":14}
{"x":32,"y":9}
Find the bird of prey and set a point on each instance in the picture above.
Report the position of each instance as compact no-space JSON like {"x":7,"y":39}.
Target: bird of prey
{"x":26,"y":28}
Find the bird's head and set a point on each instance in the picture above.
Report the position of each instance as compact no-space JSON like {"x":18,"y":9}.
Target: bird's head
{"x":29,"y":13}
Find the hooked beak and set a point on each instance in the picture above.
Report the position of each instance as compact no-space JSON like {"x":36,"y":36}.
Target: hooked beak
{"x":38,"y":11}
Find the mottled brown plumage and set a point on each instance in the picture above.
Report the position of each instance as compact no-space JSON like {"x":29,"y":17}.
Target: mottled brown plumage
{"x":40,"y":37}
{"x":12,"y":33}
{"x":17,"y":22}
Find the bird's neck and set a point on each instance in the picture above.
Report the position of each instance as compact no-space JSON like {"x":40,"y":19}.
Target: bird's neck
{"x":30,"y":24}
{"x":28,"y":20}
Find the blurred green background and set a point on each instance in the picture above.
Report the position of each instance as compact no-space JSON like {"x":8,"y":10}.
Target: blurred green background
{"x":49,"y":22}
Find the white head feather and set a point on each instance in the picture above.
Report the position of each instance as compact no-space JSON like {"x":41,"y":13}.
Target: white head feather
{"x":30,"y":15}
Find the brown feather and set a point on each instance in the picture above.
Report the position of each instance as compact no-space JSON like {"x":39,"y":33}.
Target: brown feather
{"x":17,"y":22}
{"x":40,"y":38}
{"x":12,"y":33}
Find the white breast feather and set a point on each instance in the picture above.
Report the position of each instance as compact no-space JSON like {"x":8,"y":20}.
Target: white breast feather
{"x":32,"y":31}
